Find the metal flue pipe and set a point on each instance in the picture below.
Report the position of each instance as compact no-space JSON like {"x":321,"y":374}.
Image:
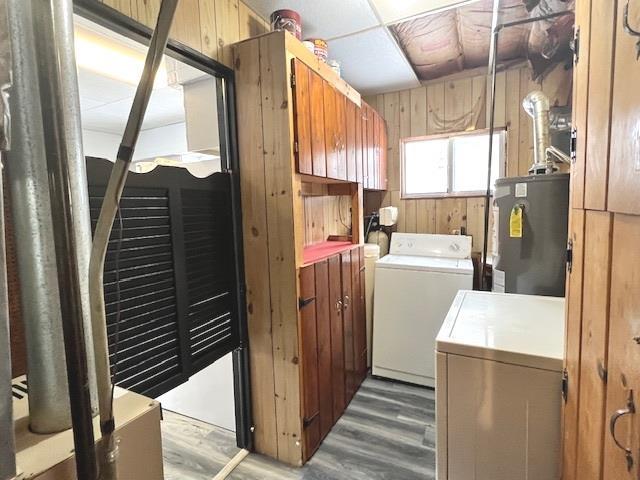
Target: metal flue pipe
{"x":33,"y":230}
{"x":108,"y":446}
{"x":7,"y":441}
{"x":53,"y":22}
{"x":536,"y":104}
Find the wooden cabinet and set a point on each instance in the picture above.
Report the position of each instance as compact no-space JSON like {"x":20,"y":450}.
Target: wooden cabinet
{"x":296,"y":138}
{"x":333,"y":339}
{"x":334,"y":137}
{"x":601,"y":415}
{"x":302,"y":119}
{"x":623,"y":384}
{"x":624,"y":169}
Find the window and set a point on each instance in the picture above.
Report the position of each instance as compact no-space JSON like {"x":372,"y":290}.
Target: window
{"x":454,"y":165}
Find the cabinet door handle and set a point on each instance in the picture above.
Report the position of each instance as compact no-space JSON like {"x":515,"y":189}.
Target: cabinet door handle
{"x":347,"y":302}
{"x":339,"y":305}
{"x":629,"y":410}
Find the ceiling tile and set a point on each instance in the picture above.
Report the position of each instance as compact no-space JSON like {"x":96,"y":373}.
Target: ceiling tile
{"x":372,"y":62}
{"x":323,"y":19}
{"x":394,"y":10}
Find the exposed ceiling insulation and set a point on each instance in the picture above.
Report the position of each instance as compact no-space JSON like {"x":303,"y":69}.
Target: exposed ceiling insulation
{"x":455,"y":40}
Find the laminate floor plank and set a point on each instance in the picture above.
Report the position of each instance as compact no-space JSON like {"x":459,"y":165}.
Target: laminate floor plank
{"x":387,"y":433}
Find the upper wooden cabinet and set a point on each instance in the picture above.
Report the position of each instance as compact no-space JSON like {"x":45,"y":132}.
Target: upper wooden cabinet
{"x":335,"y":137}
{"x":624,"y":169}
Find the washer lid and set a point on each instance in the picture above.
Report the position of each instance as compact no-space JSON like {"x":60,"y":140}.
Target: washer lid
{"x":430,"y":264}
{"x":524,"y":330}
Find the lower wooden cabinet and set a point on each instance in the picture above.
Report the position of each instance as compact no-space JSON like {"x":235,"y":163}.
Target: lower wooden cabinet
{"x":333,"y":341}
{"x":601,"y":410}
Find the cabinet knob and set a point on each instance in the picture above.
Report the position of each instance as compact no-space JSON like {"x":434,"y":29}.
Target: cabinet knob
{"x":347,"y":302}
{"x":339,"y":305}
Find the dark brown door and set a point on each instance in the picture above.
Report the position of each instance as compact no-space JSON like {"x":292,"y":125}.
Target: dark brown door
{"x":376,"y":151}
{"x":316,"y":99}
{"x":330,"y":130}
{"x":337,"y":336}
{"x":302,"y":118}
{"x":358,"y":144}
{"x":351,"y":141}
{"x":384,"y":145}
{"x":309,"y":354}
{"x":347,"y":307}
{"x":364,"y":117}
{"x":359,"y":317}
{"x":341,"y":134}
{"x":371,"y":153}
{"x":323,"y":319}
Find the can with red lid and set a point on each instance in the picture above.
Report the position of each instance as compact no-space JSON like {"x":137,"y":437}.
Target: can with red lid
{"x":287,"y":20}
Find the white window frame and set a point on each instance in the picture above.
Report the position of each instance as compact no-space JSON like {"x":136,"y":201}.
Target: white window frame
{"x":450,"y":193}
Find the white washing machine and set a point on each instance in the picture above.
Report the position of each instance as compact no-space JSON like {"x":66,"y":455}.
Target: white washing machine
{"x":414,"y":287}
{"x":498,"y":398}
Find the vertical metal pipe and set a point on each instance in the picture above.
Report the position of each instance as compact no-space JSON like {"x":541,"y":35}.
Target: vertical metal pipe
{"x":54,"y":51}
{"x":7,"y":441}
{"x":33,"y":227}
{"x":492,"y":116}
{"x":71,"y":130}
{"x":7,"y":445}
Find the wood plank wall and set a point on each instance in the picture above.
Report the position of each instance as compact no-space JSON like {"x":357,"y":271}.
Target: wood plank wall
{"x":459,"y":105}
{"x":208,"y":26}
{"x":325,"y":216}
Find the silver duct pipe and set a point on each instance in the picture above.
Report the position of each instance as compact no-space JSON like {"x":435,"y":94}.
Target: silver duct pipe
{"x":536,"y":104}
{"x":33,"y":226}
{"x":7,"y":441}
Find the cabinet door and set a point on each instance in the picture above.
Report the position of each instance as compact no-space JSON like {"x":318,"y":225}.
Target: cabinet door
{"x":351,"y":140}
{"x":573,"y":328}
{"x":359,"y":316}
{"x":624,"y":173}
{"x":595,"y":332}
{"x":364,"y":117}
{"x":341,"y":132}
{"x":599,"y":117}
{"x":347,"y":317}
{"x":384,"y":150}
{"x":623,"y":384}
{"x":371,"y":126}
{"x":330,"y":129}
{"x":323,"y":320}
{"x":358,"y":146}
{"x":337,"y":337}
{"x":376,"y":151}
{"x":302,"y":118}
{"x":309,"y":355}
{"x":316,"y":99}
{"x":580,"y":102}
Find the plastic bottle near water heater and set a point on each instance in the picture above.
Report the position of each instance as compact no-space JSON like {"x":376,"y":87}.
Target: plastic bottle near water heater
{"x":381,"y":239}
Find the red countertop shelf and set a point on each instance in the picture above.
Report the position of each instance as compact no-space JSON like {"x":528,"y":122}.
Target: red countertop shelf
{"x":319,"y":251}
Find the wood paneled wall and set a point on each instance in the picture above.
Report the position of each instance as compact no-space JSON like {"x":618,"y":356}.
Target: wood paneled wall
{"x":208,"y":26}
{"x":324,"y":216}
{"x":453,"y":106}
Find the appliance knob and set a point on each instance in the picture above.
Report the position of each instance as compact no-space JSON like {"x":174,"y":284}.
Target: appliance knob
{"x":455,"y":247}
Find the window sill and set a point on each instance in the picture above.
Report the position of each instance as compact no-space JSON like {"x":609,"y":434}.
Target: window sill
{"x":443,"y":195}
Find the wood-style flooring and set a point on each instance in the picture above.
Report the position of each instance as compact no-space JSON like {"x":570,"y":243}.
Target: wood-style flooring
{"x":387,"y":433}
